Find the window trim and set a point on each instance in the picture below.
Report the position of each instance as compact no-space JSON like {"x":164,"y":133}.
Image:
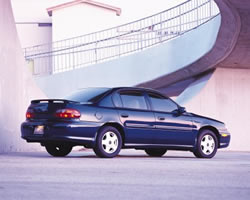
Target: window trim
{"x":143,"y":94}
{"x":107,"y":96}
{"x":112,"y":97}
{"x":160,"y":95}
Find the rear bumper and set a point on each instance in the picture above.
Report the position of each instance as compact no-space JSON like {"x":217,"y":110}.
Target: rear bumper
{"x":77,"y":133}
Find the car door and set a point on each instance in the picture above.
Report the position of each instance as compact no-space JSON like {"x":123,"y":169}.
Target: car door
{"x":172,"y":128}
{"x":136,"y":117}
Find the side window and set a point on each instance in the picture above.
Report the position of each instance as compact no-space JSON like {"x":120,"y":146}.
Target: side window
{"x":134,"y":100}
{"x":106,"y":102}
{"x":162,"y":104}
{"x":117,"y":100}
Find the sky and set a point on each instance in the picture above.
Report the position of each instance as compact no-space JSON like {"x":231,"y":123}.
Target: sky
{"x":35,"y":10}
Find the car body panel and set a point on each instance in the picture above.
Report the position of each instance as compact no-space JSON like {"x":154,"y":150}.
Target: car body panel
{"x":138,"y":125}
{"x":174,"y":129}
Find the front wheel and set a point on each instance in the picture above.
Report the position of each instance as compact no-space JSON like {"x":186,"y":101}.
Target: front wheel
{"x":58,"y":150}
{"x":155,"y":152}
{"x":207,"y":144}
{"x":108,"y":142}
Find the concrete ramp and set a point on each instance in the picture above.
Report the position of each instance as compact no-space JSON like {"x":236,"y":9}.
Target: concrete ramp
{"x":227,"y":38}
{"x":17,"y":87}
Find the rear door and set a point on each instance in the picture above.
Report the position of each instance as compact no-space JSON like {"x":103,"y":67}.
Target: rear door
{"x":136,"y":117}
{"x":172,"y":128}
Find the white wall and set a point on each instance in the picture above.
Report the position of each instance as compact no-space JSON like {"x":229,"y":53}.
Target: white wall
{"x":226,"y":97}
{"x":31,"y":34}
{"x":17,"y":87}
{"x":27,"y":14}
{"x":136,"y":68}
{"x":81,"y":19}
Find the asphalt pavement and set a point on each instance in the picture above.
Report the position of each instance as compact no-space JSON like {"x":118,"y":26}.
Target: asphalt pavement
{"x":131,"y":175}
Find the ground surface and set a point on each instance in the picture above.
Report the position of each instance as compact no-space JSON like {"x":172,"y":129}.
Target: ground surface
{"x":132,"y":175}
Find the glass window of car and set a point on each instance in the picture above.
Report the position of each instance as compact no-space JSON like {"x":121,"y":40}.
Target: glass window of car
{"x":134,"y":100}
{"x":88,"y":95}
{"x":117,"y":100}
{"x":162,"y":104}
{"x":106,"y":102}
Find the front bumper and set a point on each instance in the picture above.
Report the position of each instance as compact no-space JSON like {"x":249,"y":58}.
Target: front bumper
{"x":77,"y":133}
{"x":225,"y":138}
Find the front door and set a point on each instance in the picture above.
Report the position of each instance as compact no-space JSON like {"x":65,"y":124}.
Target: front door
{"x":172,"y":129}
{"x":136,"y":118}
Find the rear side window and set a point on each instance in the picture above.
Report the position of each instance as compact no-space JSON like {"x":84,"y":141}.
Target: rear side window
{"x":88,"y":95}
{"x":106,"y":102}
{"x":134,"y":100}
{"x":117,"y":100}
{"x":162,"y":104}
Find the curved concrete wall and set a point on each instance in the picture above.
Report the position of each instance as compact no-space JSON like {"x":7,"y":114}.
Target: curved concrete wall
{"x":136,"y":68}
{"x":17,"y":87}
{"x":227,"y":37}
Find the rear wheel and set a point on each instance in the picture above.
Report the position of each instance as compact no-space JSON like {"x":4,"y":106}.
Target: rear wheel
{"x":108,"y":142}
{"x":155,"y":152}
{"x":207,"y":144}
{"x":58,"y":150}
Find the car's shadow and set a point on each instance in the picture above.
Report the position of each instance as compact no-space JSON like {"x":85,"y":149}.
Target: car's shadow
{"x":90,"y":154}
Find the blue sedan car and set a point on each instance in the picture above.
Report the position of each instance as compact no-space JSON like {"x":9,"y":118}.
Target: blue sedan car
{"x":109,"y":119}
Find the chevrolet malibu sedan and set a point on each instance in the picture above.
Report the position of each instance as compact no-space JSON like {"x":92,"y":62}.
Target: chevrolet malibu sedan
{"x":109,"y":119}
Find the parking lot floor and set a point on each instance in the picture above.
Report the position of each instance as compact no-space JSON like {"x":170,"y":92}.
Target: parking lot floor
{"x":131,"y":175}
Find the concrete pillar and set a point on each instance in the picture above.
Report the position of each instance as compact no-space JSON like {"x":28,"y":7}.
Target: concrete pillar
{"x":17,"y":87}
{"x":226,"y":97}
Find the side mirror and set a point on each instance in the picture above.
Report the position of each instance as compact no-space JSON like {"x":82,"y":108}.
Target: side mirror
{"x":182,"y":110}
{"x":179,"y":111}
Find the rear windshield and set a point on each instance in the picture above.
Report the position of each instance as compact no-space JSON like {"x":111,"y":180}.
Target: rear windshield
{"x":88,"y":95}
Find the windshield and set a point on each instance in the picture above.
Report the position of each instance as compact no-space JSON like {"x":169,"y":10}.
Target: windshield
{"x":88,"y":94}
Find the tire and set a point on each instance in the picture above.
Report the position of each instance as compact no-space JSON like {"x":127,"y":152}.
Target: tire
{"x":58,"y":150}
{"x":207,"y":144}
{"x":108,"y":142}
{"x":155,"y":152}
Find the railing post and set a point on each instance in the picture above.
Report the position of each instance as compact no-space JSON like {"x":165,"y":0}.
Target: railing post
{"x":96,"y":60}
{"x":197,"y":19}
{"x":210,"y":7}
{"x":141,"y":35}
{"x":160,"y":27}
{"x":119,"y":43}
{"x":180,"y":20}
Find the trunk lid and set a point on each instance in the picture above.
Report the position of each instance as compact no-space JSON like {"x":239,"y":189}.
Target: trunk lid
{"x":46,"y":108}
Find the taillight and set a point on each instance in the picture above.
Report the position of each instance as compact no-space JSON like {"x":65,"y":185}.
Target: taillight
{"x":68,"y":113}
{"x":29,"y":115}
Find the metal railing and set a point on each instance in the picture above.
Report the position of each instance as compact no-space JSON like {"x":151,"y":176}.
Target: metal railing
{"x":118,"y":41}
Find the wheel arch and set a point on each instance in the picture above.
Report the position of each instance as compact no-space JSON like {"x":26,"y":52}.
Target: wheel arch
{"x":213,"y":129}
{"x":117,"y":126}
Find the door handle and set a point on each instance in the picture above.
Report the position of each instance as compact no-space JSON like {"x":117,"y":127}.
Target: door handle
{"x":124,"y":115}
{"x":161,"y":118}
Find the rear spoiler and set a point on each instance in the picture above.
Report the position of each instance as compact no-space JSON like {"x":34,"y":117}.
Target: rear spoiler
{"x":64,"y":101}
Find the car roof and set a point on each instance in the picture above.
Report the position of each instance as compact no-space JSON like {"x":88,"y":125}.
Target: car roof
{"x":137,"y":89}
{"x":127,"y":88}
